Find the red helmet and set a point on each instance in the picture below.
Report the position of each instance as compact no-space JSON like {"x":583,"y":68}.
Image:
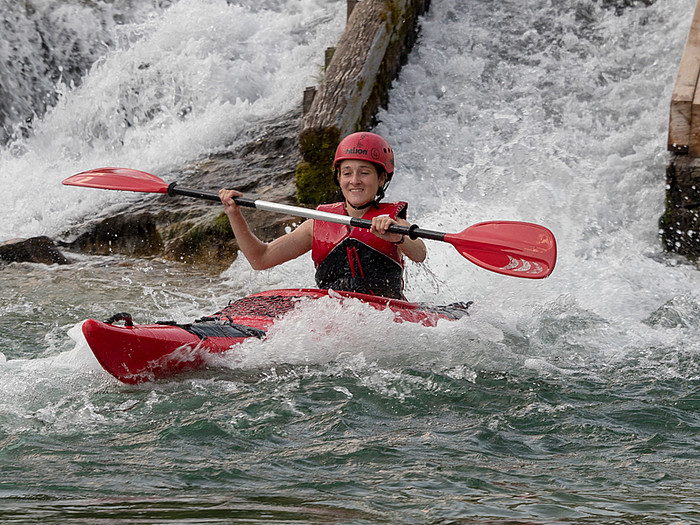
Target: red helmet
{"x":366,"y":146}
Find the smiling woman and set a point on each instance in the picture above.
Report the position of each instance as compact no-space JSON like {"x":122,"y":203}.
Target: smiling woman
{"x":346,"y":258}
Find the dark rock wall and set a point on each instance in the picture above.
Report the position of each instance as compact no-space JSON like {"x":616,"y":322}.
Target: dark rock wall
{"x":680,"y":224}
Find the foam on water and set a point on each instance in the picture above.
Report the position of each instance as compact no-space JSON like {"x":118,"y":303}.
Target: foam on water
{"x":562,"y":121}
{"x":557,"y":116}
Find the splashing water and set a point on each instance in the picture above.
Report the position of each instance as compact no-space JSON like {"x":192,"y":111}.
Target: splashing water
{"x":182,"y":82}
{"x":572,"y":399}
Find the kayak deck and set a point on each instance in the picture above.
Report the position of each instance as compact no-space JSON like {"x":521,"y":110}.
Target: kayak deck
{"x":138,"y":353}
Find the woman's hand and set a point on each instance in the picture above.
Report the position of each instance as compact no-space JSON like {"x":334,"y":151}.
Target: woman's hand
{"x":227,"y":197}
{"x":414,"y":249}
{"x":380,"y":225}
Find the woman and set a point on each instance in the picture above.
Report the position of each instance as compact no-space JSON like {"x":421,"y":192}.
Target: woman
{"x":348,"y":259}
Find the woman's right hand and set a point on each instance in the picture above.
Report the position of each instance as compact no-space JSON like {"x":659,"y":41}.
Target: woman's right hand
{"x":227,"y":197}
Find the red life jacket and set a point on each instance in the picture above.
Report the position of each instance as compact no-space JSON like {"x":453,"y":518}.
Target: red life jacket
{"x":355,"y":260}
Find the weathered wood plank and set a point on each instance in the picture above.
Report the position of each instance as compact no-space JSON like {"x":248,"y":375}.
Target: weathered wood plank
{"x":681,"y":122}
{"x":352,"y":71}
{"x":694,"y":42}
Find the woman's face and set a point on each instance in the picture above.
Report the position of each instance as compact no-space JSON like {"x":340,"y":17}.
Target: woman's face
{"x":359,"y":181}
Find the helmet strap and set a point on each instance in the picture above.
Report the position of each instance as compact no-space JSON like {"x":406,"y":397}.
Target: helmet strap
{"x":373,"y":202}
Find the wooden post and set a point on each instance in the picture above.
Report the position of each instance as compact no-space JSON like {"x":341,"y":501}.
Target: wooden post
{"x":352,"y":73}
{"x":351,"y":6}
{"x":684,"y":119}
{"x":328,"y":56}
{"x":309,"y":94}
{"x":680,"y":223}
{"x":694,"y":43}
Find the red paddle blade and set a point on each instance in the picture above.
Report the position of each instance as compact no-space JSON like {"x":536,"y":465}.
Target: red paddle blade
{"x":518,"y":249}
{"x":118,"y":179}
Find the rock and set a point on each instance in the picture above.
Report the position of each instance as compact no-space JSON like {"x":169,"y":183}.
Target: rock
{"x":128,"y":234}
{"x":196,"y":231}
{"x":35,"y":249}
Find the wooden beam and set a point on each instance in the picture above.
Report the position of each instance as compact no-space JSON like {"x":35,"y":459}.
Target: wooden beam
{"x":351,"y":5}
{"x":352,"y":71}
{"x":682,"y":125}
{"x":694,"y":140}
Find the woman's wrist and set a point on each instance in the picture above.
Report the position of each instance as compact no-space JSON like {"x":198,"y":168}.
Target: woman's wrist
{"x":400,"y":241}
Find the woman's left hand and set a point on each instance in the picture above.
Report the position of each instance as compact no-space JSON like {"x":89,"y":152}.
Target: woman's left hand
{"x":380,"y":226}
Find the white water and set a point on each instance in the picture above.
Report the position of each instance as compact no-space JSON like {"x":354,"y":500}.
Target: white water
{"x":548,"y":122}
{"x":572,"y":399}
{"x":183,"y":81}
{"x":556,"y":116}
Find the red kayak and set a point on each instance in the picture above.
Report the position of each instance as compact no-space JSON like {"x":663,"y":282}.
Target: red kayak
{"x":138,"y":353}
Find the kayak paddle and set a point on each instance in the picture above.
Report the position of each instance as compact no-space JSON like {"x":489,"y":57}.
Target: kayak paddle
{"x":518,"y":249}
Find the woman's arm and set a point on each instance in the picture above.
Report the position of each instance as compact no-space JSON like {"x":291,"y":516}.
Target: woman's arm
{"x":261,"y":255}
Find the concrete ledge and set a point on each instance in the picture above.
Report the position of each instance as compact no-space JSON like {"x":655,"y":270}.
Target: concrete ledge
{"x":369,"y":54}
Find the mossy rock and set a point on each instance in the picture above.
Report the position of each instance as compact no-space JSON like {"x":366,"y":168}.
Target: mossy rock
{"x":129,"y":234}
{"x":209,"y":241}
{"x":315,"y":184}
{"x":314,"y":176}
{"x":35,"y":249}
